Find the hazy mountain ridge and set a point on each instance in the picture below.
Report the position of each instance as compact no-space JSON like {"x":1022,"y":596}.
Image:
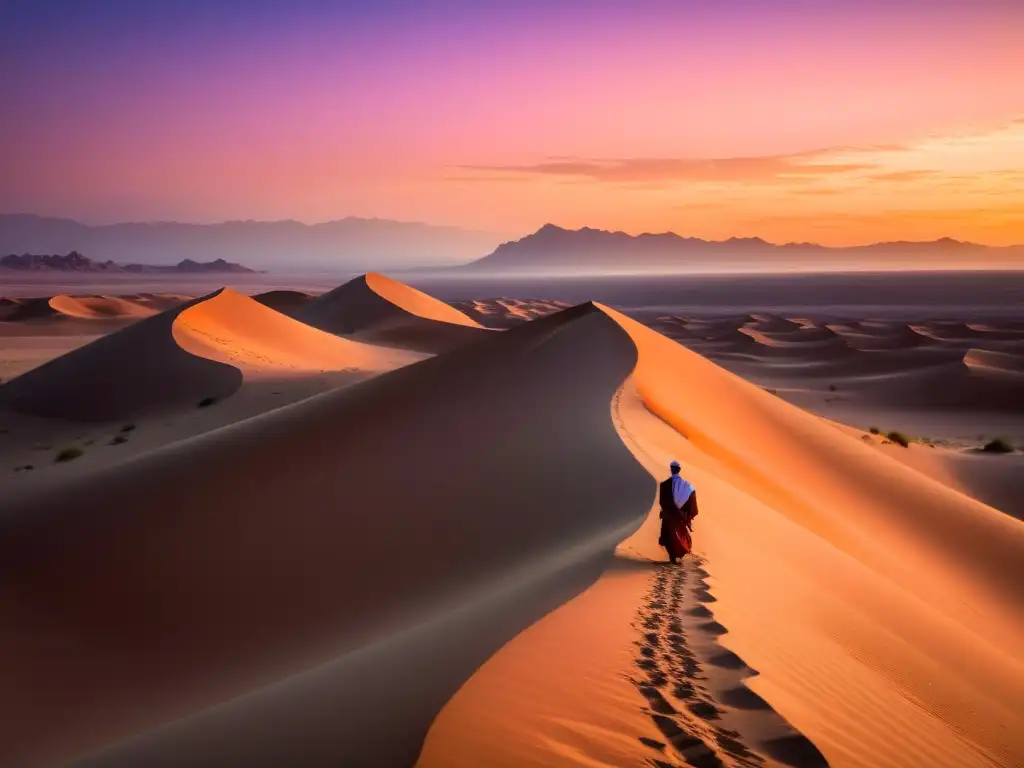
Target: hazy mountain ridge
{"x":76,"y":262}
{"x":557,"y":249}
{"x":346,"y":243}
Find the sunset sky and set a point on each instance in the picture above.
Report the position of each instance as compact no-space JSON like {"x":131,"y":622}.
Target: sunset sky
{"x":838,"y":122}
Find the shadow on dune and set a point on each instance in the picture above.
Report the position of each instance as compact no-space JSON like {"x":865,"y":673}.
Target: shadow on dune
{"x":137,"y":370}
{"x":386,"y":538}
{"x":374,"y":309}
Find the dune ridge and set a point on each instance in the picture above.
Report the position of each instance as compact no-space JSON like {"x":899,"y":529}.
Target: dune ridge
{"x":378,"y":310}
{"x":934,"y":575}
{"x":259,"y":341}
{"x":137,"y":370}
{"x":204,"y":348}
{"x":853,"y":585}
{"x":250,"y":567}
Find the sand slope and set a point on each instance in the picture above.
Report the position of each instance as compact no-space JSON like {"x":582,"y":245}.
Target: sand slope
{"x":378,"y":310}
{"x":201,"y":349}
{"x":833,"y":562}
{"x":300,"y":539}
{"x":283,"y":301}
{"x":505,"y":313}
{"x":139,"y":369}
{"x":93,"y":307}
{"x":854,"y":585}
{"x":260,"y":341}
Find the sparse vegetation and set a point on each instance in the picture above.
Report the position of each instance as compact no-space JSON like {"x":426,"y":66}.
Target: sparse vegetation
{"x":118,"y":440}
{"x":899,"y":438}
{"x":68,"y":454}
{"x":999,"y":445}
{"x":832,"y":387}
{"x":206,"y":402}
{"x":128,"y":428}
{"x":874,"y":430}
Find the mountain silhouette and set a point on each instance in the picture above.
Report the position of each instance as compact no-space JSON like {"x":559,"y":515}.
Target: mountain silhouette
{"x":349,"y":243}
{"x":555,"y":249}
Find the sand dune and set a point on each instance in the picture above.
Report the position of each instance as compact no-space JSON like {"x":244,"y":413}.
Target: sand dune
{"x":796,"y":340}
{"x":97,"y":308}
{"x":296,"y":540}
{"x":202,"y":349}
{"x":786,"y":490}
{"x":286,"y":302}
{"x":769,"y":323}
{"x":259,"y":341}
{"x":21,"y":310}
{"x":377,"y":310}
{"x":92,"y":307}
{"x":358,"y":579}
{"x":933,"y":574}
{"x":970,"y":383}
{"x":869,"y":338}
{"x":855,"y":585}
{"x":1000,"y":362}
{"x":139,"y":369}
{"x":504,"y":313}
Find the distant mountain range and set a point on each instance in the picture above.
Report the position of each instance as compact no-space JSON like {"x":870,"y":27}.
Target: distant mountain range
{"x":76,"y":262}
{"x":553,"y":249}
{"x":349,"y":244}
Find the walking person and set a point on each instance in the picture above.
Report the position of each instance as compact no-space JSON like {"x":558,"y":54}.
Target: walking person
{"x":678,"y":501}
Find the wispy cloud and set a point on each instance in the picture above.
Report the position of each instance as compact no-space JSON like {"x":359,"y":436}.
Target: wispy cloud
{"x":903,"y":175}
{"x":666,"y":169}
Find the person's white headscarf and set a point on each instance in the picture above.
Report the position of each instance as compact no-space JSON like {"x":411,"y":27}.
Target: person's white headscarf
{"x":681,"y":489}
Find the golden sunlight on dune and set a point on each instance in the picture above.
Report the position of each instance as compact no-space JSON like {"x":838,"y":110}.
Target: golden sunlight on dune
{"x":855,"y":587}
{"x":257,"y":340}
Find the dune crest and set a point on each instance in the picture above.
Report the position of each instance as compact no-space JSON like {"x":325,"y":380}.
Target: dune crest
{"x":826,"y":554}
{"x":378,"y":310}
{"x":137,"y":370}
{"x":94,"y":307}
{"x":285,"y":560}
{"x":259,"y":341}
{"x":853,"y":585}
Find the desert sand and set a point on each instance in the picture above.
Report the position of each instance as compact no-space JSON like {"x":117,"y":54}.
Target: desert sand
{"x":394,"y":537}
{"x":364,"y":309}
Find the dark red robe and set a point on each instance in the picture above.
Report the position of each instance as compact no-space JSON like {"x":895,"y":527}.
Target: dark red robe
{"x":676,"y":522}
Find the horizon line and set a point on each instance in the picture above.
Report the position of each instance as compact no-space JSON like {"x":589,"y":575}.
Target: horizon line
{"x":511,"y":238}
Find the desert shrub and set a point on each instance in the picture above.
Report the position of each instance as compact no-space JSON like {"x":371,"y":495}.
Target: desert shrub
{"x":899,"y":438}
{"x":128,"y":428}
{"x":206,"y":402}
{"x":118,"y":440}
{"x":69,"y":454}
{"x":874,"y":430}
{"x":999,"y":445}
{"x":832,"y":387}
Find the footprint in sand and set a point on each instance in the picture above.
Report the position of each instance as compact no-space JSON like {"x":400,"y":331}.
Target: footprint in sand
{"x":673,"y":682}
